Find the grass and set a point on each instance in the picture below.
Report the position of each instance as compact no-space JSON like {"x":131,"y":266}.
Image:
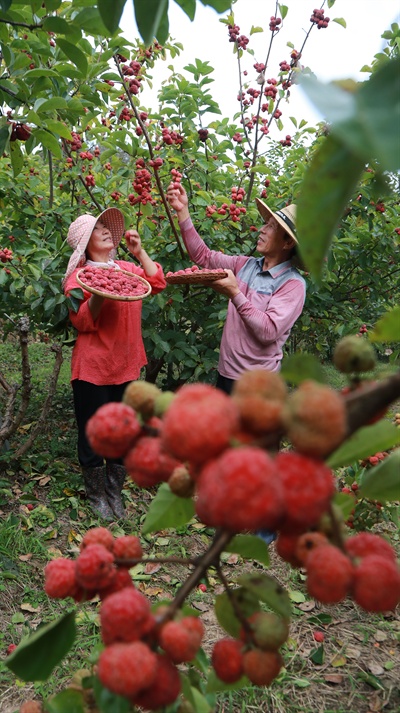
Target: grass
{"x":359,"y":672}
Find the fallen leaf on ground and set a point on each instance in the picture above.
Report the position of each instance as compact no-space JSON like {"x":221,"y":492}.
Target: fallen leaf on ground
{"x":152,"y":567}
{"x":352,"y":652}
{"x":30,"y":608}
{"x":338,"y":661}
{"x":306,"y":606}
{"x":375,"y":668}
{"x":25,"y":558}
{"x":333,"y":678}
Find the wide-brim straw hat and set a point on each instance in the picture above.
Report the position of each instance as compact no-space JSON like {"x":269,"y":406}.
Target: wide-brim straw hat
{"x":286,"y":217}
{"x":80,"y":230}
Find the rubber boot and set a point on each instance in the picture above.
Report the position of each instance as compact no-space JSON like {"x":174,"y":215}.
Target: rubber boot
{"x":94,"y":479}
{"x":115,"y":478}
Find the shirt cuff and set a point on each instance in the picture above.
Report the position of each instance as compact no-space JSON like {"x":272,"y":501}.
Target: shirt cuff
{"x":239,"y":299}
{"x":186,"y":224}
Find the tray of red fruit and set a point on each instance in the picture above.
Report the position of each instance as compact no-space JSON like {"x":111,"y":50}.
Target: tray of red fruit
{"x":115,"y":284}
{"x":195,"y":275}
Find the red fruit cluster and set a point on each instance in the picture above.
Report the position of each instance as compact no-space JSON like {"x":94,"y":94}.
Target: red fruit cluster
{"x":76,"y":141}
{"x":234,"y":36}
{"x":287,"y":141}
{"x":6,"y":255}
{"x":284,"y":66}
{"x":171,"y":137}
{"x":113,"y":282}
{"x":318,"y":18}
{"x":203,"y":134}
{"x":274,"y":22}
{"x":237,"y":194}
{"x":375,"y":459}
{"x":20,"y":132}
{"x":141,"y":185}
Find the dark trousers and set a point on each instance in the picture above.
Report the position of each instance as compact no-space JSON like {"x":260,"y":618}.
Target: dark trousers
{"x":225,"y":384}
{"x":87,"y":399}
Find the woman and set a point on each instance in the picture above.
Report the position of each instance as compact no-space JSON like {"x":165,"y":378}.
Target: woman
{"x":109,"y":351}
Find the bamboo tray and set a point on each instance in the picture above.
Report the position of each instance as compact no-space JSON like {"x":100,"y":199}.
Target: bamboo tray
{"x":130,"y":276}
{"x":197,"y":277}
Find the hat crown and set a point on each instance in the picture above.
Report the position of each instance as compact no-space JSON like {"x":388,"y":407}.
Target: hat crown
{"x":81,"y":228}
{"x":290,"y":212}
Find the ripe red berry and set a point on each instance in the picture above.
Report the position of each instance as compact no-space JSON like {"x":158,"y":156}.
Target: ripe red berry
{"x":307,"y":544}
{"x":126,"y":669}
{"x":261,"y":667}
{"x":60,"y":578}
{"x":127,"y":547}
{"x":95,"y":567}
{"x":165,"y":688}
{"x":377,"y":584}
{"x":367,"y":543}
{"x":98,"y":536}
{"x":112,"y":430}
{"x":125,"y":616}
{"x":179,"y":642}
{"x":227,"y":659}
{"x":308,"y":486}
{"x":319,"y":636}
{"x":199,"y":423}
{"x":148,"y":464}
{"x":240,"y":491}
{"x":329,"y":574}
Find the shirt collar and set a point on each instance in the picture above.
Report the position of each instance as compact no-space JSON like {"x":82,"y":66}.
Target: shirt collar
{"x":277,"y":269}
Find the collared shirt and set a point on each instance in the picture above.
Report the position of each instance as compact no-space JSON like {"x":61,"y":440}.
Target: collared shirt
{"x":260,"y":317}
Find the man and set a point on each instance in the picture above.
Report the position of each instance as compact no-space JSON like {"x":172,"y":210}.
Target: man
{"x":266,"y":294}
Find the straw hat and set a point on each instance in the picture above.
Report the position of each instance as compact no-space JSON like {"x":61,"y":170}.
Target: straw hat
{"x":81,"y":229}
{"x":286,"y":217}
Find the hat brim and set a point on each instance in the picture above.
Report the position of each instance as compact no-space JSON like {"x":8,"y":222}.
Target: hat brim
{"x":114,"y":220}
{"x":266,"y":214}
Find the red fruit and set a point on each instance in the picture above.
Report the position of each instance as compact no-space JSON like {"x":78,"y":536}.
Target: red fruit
{"x":164,"y":690}
{"x":98,"y":536}
{"x":121,"y":580}
{"x":315,"y":419}
{"x":148,"y":463}
{"x":319,"y":636}
{"x":377,"y":584}
{"x":11,"y":648}
{"x":202,"y":587}
{"x":307,"y":543}
{"x":329,"y":574}
{"x":125,"y":616}
{"x":112,"y":430}
{"x":260,"y":382}
{"x":199,"y":423}
{"x":127,"y":547}
{"x":95,"y":567}
{"x":180,"y":642}
{"x":60,"y":578}
{"x":30,"y":507}
{"x":240,"y":491}
{"x":227,"y":660}
{"x":366,"y":543}
{"x":31,"y":707}
{"x":126,"y":669}
{"x":308,"y":487}
{"x":286,"y":547}
{"x":261,"y":667}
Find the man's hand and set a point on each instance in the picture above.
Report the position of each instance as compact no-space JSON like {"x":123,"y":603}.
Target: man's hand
{"x":228,"y":286}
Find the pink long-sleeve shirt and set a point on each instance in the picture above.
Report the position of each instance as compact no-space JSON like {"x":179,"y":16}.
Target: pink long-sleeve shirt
{"x":110,"y":349}
{"x":260,"y":317}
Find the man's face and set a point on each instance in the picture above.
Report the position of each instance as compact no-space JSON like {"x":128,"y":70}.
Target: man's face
{"x":271,"y":238}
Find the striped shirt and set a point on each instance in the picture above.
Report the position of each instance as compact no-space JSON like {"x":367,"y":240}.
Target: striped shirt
{"x":260,"y":317}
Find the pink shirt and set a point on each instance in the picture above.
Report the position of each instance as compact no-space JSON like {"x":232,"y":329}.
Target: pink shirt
{"x":110,"y":350}
{"x":260,"y":318}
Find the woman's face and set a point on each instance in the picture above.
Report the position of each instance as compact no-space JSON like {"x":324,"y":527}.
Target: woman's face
{"x":100,"y":242}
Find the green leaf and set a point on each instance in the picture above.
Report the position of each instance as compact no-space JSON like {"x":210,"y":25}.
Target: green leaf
{"x":188,"y":6}
{"x":214,"y":684}
{"x":17,"y":158}
{"x":109,"y":702}
{"x":5,"y":4}
{"x":269,"y":591}
{"x":167,"y":510}
{"x":150,"y":16}
{"x":345,"y":502}
{"x":246,"y":601}
{"x":249,"y":547}
{"x":317,"y":655}
{"x":298,"y":367}
{"x":219,"y":6}
{"x":201,"y":705}
{"x":110,"y":13}
{"x":48,"y":140}
{"x":35,"y":658}
{"x":59,"y":128}
{"x":382,"y":482}
{"x":340,"y":21}
{"x":387,"y":329}
{"x":4,"y":137}
{"x":58,"y":25}
{"x":50,"y":105}
{"x":77,"y":57}
{"x":364,"y":443}
{"x":327,"y":186}
{"x":68,"y":701}
{"x":90,"y":21}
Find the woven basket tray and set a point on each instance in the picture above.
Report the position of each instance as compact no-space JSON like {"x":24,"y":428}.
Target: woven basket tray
{"x":112,"y":295}
{"x":199,"y":277}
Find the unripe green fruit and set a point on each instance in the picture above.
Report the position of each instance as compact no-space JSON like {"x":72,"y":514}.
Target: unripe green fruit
{"x":162,"y":403}
{"x":141,"y":395}
{"x":353,"y":355}
{"x":269,"y":630}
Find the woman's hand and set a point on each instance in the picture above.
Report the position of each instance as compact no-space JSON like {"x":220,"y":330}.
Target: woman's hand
{"x":178,"y":200}
{"x":228,"y":286}
{"x":133,"y":242}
